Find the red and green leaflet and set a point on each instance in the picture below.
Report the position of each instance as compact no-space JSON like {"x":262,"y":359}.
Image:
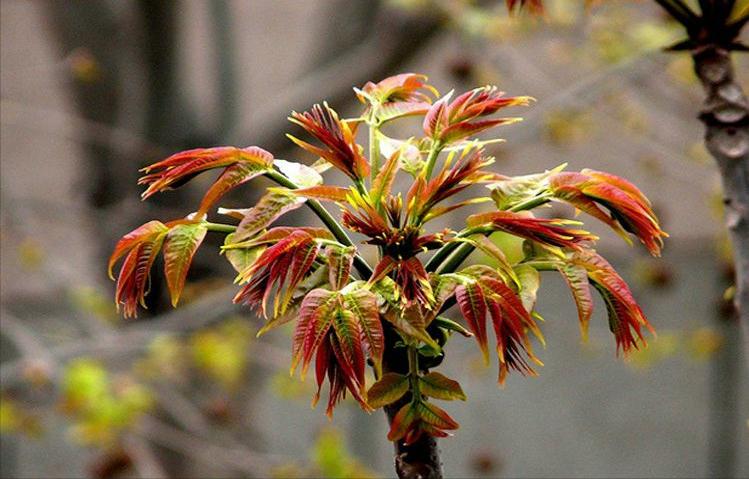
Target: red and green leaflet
{"x":548,"y":232}
{"x":418,"y":415}
{"x":338,"y":139}
{"x":347,"y":314}
{"x":628,"y":208}
{"x":397,"y":96}
{"x":180,"y":241}
{"x":482,"y":294}
{"x":626,"y":319}
{"x":451,"y":121}
{"x":338,"y":328}
{"x":240,"y":165}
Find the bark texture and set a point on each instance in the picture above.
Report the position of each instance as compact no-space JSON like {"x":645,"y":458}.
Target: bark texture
{"x":725,"y":114}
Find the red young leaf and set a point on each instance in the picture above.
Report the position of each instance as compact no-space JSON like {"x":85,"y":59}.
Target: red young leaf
{"x":472,"y":304}
{"x":456,"y":120}
{"x":397,"y":96}
{"x":404,"y":87}
{"x":144,"y":233}
{"x":134,"y":274}
{"x":350,"y":353}
{"x":402,"y":422}
{"x":552,"y":232}
{"x":316,"y":316}
{"x":324,"y":192}
{"x":535,"y":6}
{"x":626,"y":319}
{"x":291,"y":258}
{"x":338,"y":138}
{"x":482,"y":291}
{"x":363,"y":304}
{"x":628,"y":209}
{"x":180,"y":246}
{"x":232,"y":177}
{"x":435,"y":416}
{"x":451,"y":180}
{"x":417,"y":418}
{"x":339,"y":265}
{"x":182,"y":166}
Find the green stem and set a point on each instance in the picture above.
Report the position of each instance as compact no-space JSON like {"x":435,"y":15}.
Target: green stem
{"x":434,"y":152}
{"x":443,"y":253}
{"x":413,"y":371}
{"x":359,"y":263}
{"x":449,"y":258}
{"x":374,"y":151}
{"x":219,"y":227}
{"x":531,"y":203}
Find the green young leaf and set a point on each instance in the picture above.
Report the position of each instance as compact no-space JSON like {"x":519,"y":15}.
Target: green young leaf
{"x":437,"y":417}
{"x":387,"y":390}
{"x":241,"y":258}
{"x":180,"y":246}
{"x":267,"y":210}
{"x":384,"y":181}
{"x":439,"y":386}
{"x":529,"y":281}
{"x":301,"y":175}
{"x":450,"y":325}
{"x":411,"y":323}
{"x":402,"y":422}
{"x":576,"y":278}
{"x":340,"y":260}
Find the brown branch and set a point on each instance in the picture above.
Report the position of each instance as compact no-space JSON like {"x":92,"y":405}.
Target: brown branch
{"x":725,"y":114}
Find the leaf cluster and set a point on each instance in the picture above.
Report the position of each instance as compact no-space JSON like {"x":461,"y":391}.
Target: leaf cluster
{"x":341,"y":306}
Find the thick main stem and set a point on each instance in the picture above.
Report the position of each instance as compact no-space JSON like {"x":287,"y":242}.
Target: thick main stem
{"x":725,"y":114}
{"x":420,"y":459}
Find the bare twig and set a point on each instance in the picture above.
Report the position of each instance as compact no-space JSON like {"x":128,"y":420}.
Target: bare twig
{"x":144,"y":459}
{"x":253,"y":463}
{"x":396,"y":38}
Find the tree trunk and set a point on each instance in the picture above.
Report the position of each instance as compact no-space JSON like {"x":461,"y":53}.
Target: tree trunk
{"x":725,"y":114}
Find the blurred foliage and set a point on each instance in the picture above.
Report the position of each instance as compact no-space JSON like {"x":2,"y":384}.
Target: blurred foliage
{"x":568,"y":126}
{"x":30,"y":254}
{"x":332,"y":459}
{"x":166,"y":358}
{"x":287,"y":387}
{"x":329,"y":458}
{"x":14,"y":418}
{"x":84,"y":67}
{"x":221,"y":352}
{"x":101,"y":407}
{"x":698,"y":345}
{"x":92,"y":301}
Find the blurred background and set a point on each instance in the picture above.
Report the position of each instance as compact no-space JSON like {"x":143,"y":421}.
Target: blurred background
{"x":92,"y":91}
